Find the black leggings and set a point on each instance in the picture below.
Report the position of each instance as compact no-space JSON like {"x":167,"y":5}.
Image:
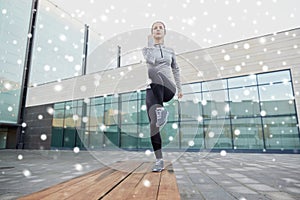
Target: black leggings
{"x":155,"y":98}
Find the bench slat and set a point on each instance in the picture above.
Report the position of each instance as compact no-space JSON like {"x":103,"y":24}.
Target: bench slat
{"x":147,"y":188}
{"x":101,"y":187}
{"x":48,"y":191}
{"x":168,"y":185}
{"x":123,"y":180}
{"x":124,"y":190}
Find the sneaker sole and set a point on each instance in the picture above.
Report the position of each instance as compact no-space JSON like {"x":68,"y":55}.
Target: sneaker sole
{"x":158,"y":170}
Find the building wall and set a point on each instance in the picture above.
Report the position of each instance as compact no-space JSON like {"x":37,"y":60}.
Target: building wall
{"x":256,"y":55}
{"x":243,"y":58}
{"x":38,"y":128}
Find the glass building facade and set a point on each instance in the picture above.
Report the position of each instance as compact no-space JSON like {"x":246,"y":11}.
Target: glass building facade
{"x":248,"y":112}
{"x":14,"y":25}
{"x":255,"y":111}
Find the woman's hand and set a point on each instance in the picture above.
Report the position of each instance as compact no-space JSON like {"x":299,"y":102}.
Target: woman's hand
{"x":150,"y":41}
{"x":180,"y":95}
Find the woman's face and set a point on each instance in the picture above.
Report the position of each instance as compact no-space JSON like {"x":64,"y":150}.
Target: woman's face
{"x":158,"y":30}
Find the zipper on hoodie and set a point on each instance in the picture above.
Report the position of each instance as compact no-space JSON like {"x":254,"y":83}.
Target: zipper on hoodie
{"x":161,"y":51}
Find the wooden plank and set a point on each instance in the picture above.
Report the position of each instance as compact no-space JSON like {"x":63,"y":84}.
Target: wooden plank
{"x":132,"y":180}
{"x":125,"y":189}
{"x":168,"y":188}
{"x":101,"y":187}
{"x":147,"y":188}
{"x":61,"y":186}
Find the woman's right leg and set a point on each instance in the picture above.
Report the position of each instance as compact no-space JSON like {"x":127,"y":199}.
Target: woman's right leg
{"x":152,"y":103}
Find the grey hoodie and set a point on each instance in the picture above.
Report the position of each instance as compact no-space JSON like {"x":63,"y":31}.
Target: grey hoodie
{"x":163,"y":60}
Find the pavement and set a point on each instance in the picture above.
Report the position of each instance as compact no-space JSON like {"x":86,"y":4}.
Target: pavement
{"x":200,"y":175}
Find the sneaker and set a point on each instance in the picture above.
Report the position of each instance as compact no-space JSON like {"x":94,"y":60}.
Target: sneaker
{"x":159,"y":166}
{"x":161,"y":117}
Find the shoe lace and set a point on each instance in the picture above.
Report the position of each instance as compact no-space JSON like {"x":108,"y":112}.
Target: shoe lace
{"x":158,"y":162}
{"x":158,"y":113}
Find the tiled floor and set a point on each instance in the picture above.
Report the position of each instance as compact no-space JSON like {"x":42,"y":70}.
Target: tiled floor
{"x":199,"y":175}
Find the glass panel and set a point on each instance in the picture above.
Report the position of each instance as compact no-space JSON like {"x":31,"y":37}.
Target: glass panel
{"x":111,"y":98}
{"x":129,"y":112}
{"x":14,"y":23}
{"x":129,"y":96}
{"x":142,"y":109}
{"x":97,"y":115}
{"x":58,"y":118}
{"x":144,"y":137}
{"x":57,"y":137}
{"x":281,"y":76}
{"x":130,"y":130}
{"x":96,"y":139}
{"x":192,"y":135}
{"x":97,"y":100}
{"x":277,"y":99}
{"x":70,"y":104}
{"x":59,"y":106}
{"x":281,"y":133}
{"x":108,"y":51}
{"x":3,"y":137}
{"x":58,"y":45}
{"x":191,"y":108}
{"x":81,"y":138}
{"x":68,"y":120}
{"x":242,"y":81}
{"x":111,"y":138}
{"x":215,"y":105}
{"x":247,"y":133}
{"x":191,"y":88}
{"x":217,"y":134}
{"x":214,"y":85}
{"x":128,"y":141}
{"x":244,"y":102}
{"x":143,"y":94}
{"x":129,"y":138}
{"x":111,"y":114}
{"x":69,"y":137}
{"x":172,"y":107}
{"x":170,"y":135}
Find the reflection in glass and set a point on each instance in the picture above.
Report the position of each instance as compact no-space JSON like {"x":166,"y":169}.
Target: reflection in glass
{"x":214,"y":85}
{"x":129,"y":112}
{"x":192,"y":135}
{"x":244,"y":102}
{"x":170,"y":135}
{"x":172,"y":107}
{"x":277,"y":99}
{"x":97,"y":115}
{"x":247,"y":133}
{"x":111,"y":114}
{"x":215,"y":104}
{"x":281,"y":132}
{"x":191,"y":88}
{"x":217,"y":134}
{"x":281,"y":76}
{"x":211,"y":129}
{"x":129,"y":136}
{"x":144,"y":137}
{"x":14,"y":23}
{"x":242,"y":81}
{"x":191,"y":107}
{"x":58,"y":45}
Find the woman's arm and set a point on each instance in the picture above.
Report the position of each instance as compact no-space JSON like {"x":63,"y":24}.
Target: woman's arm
{"x":176,"y":73}
{"x":148,"y":51}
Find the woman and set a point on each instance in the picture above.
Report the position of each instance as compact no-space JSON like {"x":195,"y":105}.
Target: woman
{"x":165,"y":78}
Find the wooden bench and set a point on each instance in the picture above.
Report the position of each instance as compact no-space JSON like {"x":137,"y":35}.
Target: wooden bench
{"x":132,"y":180}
